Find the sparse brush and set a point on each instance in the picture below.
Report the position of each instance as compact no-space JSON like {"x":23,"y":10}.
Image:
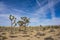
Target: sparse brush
{"x":12,"y":36}
{"x":28,"y":39}
{"x":48,"y":38}
{"x":13,"y":23}
{"x":40,"y":34}
{"x":26,"y":36}
{"x":3,"y":33}
{"x":52,"y":30}
{"x":3,"y":37}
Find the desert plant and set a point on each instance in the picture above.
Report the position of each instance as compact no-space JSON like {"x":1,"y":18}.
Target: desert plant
{"x":40,"y":34}
{"x":23,"y":22}
{"x":11,"y":19}
{"x":13,"y":22}
{"x":48,"y":38}
{"x":3,"y":37}
{"x":26,"y":36}
{"x":20,"y":23}
{"x":26,"y":21}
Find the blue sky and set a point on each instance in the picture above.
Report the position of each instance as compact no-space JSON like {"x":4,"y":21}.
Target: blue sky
{"x":40,"y":12}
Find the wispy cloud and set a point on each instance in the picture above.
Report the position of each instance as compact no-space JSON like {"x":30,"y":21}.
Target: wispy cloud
{"x":52,"y":10}
{"x":37,"y":17}
{"x":50,"y":22}
{"x":43,"y":9}
{"x":5,"y":11}
{"x":40,"y":4}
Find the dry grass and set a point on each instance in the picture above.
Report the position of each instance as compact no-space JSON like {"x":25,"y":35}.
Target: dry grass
{"x":31,"y":33}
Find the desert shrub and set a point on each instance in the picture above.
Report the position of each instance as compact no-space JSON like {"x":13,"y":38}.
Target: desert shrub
{"x":52,"y":30}
{"x":13,"y":36}
{"x":38,"y":37}
{"x":48,"y":38}
{"x":25,"y":32}
{"x":32,"y":31}
{"x":58,"y":34}
{"x":56,"y":27}
{"x":3,"y":33}
{"x":26,"y":36}
{"x":44,"y":28}
{"x":3,"y":37}
{"x":40,"y":34}
{"x":28,"y":39}
{"x":0,"y":35}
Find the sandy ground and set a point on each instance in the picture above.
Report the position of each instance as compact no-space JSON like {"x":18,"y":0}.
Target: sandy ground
{"x":34,"y":35}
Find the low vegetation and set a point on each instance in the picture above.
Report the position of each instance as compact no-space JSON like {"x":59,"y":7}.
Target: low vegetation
{"x":25,"y":32}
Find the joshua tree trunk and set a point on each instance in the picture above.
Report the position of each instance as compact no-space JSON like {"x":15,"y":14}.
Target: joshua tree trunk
{"x":25,"y":27}
{"x":14,"y":29}
{"x":11,"y":28}
{"x":20,"y":28}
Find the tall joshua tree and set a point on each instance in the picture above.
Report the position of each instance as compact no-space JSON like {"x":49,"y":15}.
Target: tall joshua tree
{"x":11,"y":19}
{"x":14,"y":23}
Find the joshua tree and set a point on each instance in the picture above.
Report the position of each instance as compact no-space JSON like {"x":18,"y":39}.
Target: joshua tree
{"x":20,"y":23}
{"x":41,"y":28}
{"x":24,"y":22}
{"x":13,"y":21}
